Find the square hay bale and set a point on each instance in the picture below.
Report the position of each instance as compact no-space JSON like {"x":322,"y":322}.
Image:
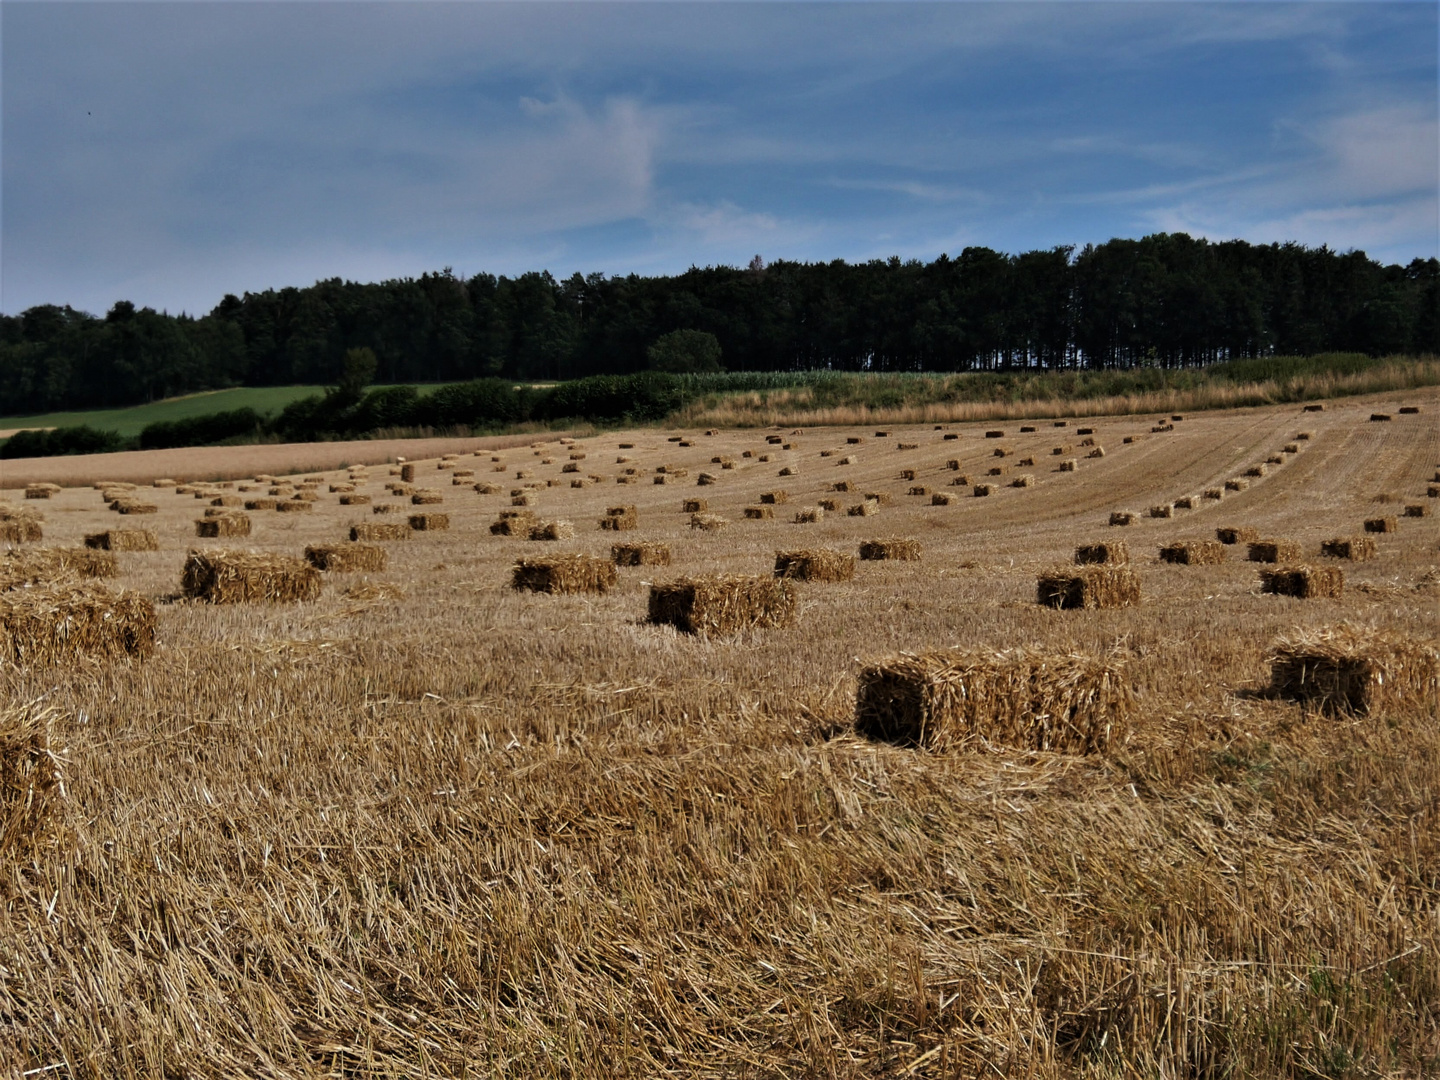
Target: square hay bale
{"x":954,"y":699}
{"x":1098,"y":452}
{"x":640,"y":553}
{"x":759,"y":513}
{"x":1026,"y":463}
{"x":426,"y":497}
{"x":706,"y":479}
{"x":843,"y":485}
{"x":1214,"y":494}
{"x":1062,"y":450}
{"x":620,"y":518}
{"x":1003,"y":451}
{"x":907,"y":474}
{"x":1416,"y":510}
{"x":708,"y":522}
{"x":379,"y":530}
{"x":863,"y":509}
{"x":1187,"y":502}
{"x":1128,"y":439}
{"x":1068,"y":465}
{"x":1376,"y":417}
{"x":1232,"y":534}
{"x":722,"y":604}
{"x":123,"y":540}
{"x":581,"y":482}
{"x":833,"y":506}
{"x":953,"y":464}
{"x":1314,"y":408}
{"x":1409,"y":410}
{"x":1257,"y":470}
{"x":238,"y":577}
{"x":20,"y":530}
{"x":384,"y":508}
{"x":513,"y":523}
{"x":525,"y":499}
{"x":1304,"y":582}
{"x":1354,"y":548}
{"x":488,"y":489}
{"x":429,"y":522}
{"x":62,"y":622}
{"x":294,"y":506}
{"x":39,"y":491}
{"x":354,"y":500}
{"x":1432,"y":491}
{"x":1381,"y":525}
{"x":231,"y":524}
{"x":1161,"y":510}
{"x":1059,"y":423}
{"x":569,"y":467}
{"x":662,"y":478}
{"x":1194,"y":552}
{"x":849,"y":459}
{"x":407,"y":472}
{"x":854,"y":439}
{"x":951,"y":436}
{"x":133,"y":506}
{"x":694,"y":506}
{"x":1290,"y":448}
{"x":996,"y":471}
{"x":980,"y":491}
{"x":564,"y":574}
{"x":44,"y":565}
{"x":808,"y":515}
{"x":1162,"y":427}
{"x":1236,"y":483}
{"x":1275,"y":459}
{"x":774,"y":439}
{"x":789,"y":470}
{"x":815,"y":564}
{"x":1107,"y":552}
{"x":920,"y":491}
{"x":994,"y":434}
{"x":227,"y":500}
{"x":1273,"y":551}
{"x":1088,"y":587}
{"x":347,"y":558}
{"x":218,"y":511}
{"x":341,"y":489}
{"x":941,"y":498}
{"x":553,"y":530}
{"x":1348,"y":669}
{"x":897,"y":548}
{"x":1122,"y":517}
{"x":882,"y":434}
{"x":1024,"y":480}
{"x":1026,"y":429}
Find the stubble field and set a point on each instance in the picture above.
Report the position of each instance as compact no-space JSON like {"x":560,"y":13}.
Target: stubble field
{"x":453,"y":829}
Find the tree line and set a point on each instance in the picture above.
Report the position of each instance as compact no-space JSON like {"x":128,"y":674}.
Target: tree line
{"x":1167,"y":301}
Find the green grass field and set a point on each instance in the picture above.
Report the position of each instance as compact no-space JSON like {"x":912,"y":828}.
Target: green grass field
{"x":130,"y":421}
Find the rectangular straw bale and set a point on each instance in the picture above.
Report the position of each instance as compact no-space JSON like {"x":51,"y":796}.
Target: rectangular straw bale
{"x":553,"y":530}
{"x":708,"y":522}
{"x":759,"y":513}
{"x":1187,"y":502}
{"x":237,"y":577}
{"x":881,"y":498}
{"x":429,"y":522}
{"x":380,"y":530}
{"x":955,"y":699}
{"x":1194,"y":552}
{"x":897,"y":548}
{"x":261,"y":504}
{"x":1237,"y":535}
{"x":723,"y":604}
{"x":407,"y":473}
{"x":620,"y":518}
{"x":1349,"y":669}
{"x":1122,"y":517}
{"x":1304,"y":582}
{"x":1024,"y":480}
{"x":815,"y":564}
{"x":982,"y":490}
{"x":694,"y":506}
{"x":426,"y":497}
{"x":808,"y":515}
{"x":1354,"y":548}
{"x":1162,"y":510}
{"x":920,"y":490}
{"x":228,"y":524}
{"x":996,"y":471}
{"x":227,"y":500}
{"x":487,"y":489}
{"x":1098,"y":452}
{"x":384,"y":508}
{"x":640,"y":553}
{"x":294,"y":506}
{"x":1416,"y":510}
{"x":1107,"y":552}
{"x":564,"y":574}
{"x":1257,"y":470}
{"x":1088,"y":587}
{"x":864,"y":509}
{"x":832,"y":506}
{"x":347,"y":557}
{"x":706,"y":479}
{"x":341,"y":489}
{"x":1314,"y":408}
{"x":1409,"y":410}
{"x":907,"y":474}
{"x":1379,"y":416}
{"x":38,"y":491}
{"x":1273,"y":551}
{"x":1069,"y":465}
{"x":1381,"y":525}
{"x":774,"y":498}
{"x":133,"y":506}
{"x":941,"y":498}
{"x":1215,"y":494}
{"x":63,"y":622}
{"x":354,"y":500}
{"x":31,"y":565}
{"x":1236,"y":483}
{"x":123,"y":540}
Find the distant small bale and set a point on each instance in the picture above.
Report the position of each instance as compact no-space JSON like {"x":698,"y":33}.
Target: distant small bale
{"x":1026,"y":429}
{"x":1257,"y":470}
{"x":1314,"y":408}
{"x":347,"y":558}
{"x":980,"y":491}
{"x":1381,"y":525}
{"x":1194,"y":552}
{"x":1416,"y":510}
{"x":1105,"y":553}
{"x":640,"y":553}
{"x":1376,"y":417}
{"x":1360,"y":671}
{"x":261,"y":504}
{"x":863,"y":509}
{"x":62,"y":622}
{"x":1232,"y":534}
{"x":426,"y":497}
{"x":1290,"y":448}
{"x":1069,"y":465}
{"x":1409,"y":410}
{"x":40,"y":491}
{"x":1353,"y":548}
{"x":553,"y":530}
{"x":842,"y":485}
{"x":759,"y":513}
{"x":564,"y":574}
{"x":513,"y":523}
{"x":1003,"y":451}
{"x":341,"y":489}
{"x":1187,"y":502}
{"x":723,"y":604}
{"x":231,"y":524}
{"x":1236,"y":483}
{"x":894,"y":548}
{"x":1128,"y":439}
{"x":407,"y":472}
{"x":815,"y":564}
{"x":227,"y":500}
{"x":236,"y":577}
{"x":293,"y":506}
{"x":1122,"y":517}
{"x":488,"y":489}
{"x":429,"y":522}
{"x":1162,"y":510}
{"x":833,"y":506}
{"x":854,"y":439}
{"x":955,"y":699}
{"x":994,"y":434}
{"x":808,"y":515}
{"x":996,"y":471}
{"x":1273,"y":551}
{"x":354,"y":500}
{"x":774,"y":498}
{"x":1060,"y":451}
{"x":1304,"y":582}
{"x":569,"y":467}
{"x":620,"y":519}
{"x":1215,"y":494}
{"x":123,"y":540}
{"x":920,"y":490}
{"x":789,"y":470}
{"x":708,"y":522}
{"x":907,"y":446}
{"x":950,"y":436}
{"x":380,"y":530}
{"x":524,"y":499}
{"x":385,"y":508}
{"x":1092,"y":586}
{"x":1024,"y":480}
{"x":694,"y":506}
{"x":907,"y":474}
{"x":941,"y":498}
{"x":133,"y":506}
{"x":1098,"y":452}
{"x":849,"y":459}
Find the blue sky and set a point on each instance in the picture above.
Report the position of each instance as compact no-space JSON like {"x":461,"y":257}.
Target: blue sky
{"x":168,"y":153}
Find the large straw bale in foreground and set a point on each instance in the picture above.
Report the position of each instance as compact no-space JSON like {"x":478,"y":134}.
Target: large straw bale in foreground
{"x":238,"y":577}
{"x":63,"y":622}
{"x":347,"y":558}
{"x":723,"y":604}
{"x":815,"y":564}
{"x":30,"y":781}
{"x":123,"y":540}
{"x":1088,"y":587}
{"x":48,"y":564}
{"x":1304,"y":582}
{"x":564,"y":574}
{"x":956,"y":698}
{"x":1351,"y":669}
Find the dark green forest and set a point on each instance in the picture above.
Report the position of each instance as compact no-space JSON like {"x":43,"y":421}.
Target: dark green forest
{"x":1165,"y":301}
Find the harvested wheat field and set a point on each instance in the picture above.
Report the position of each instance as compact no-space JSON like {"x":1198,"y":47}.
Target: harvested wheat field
{"x":421,"y":823}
